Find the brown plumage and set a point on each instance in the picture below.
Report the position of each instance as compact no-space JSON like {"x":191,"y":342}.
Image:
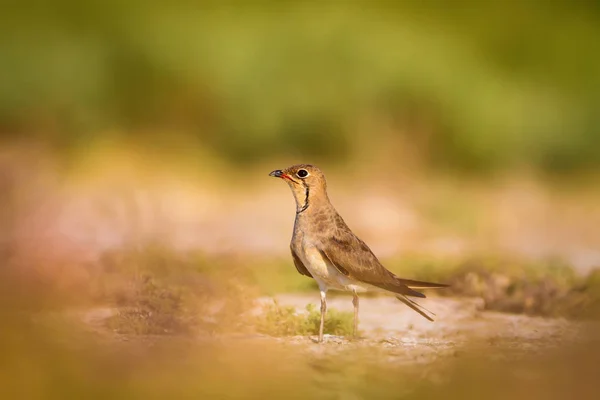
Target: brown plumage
{"x":325,"y":249}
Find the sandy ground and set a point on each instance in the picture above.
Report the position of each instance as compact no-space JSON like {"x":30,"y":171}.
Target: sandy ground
{"x":386,"y":324}
{"x":389,"y":329}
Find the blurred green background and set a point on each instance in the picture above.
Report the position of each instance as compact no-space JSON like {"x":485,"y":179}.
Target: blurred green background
{"x":472,"y":85}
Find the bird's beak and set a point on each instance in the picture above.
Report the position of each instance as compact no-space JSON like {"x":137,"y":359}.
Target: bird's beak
{"x":279,"y":174}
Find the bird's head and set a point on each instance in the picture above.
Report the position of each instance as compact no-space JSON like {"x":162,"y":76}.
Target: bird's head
{"x":306,"y":181}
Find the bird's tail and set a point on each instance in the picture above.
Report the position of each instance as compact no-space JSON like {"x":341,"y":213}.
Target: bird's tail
{"x":421,"y":284}
{"x":417,"y":307}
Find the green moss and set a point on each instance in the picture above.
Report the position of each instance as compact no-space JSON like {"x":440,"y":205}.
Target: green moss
{"x":277,"y":320}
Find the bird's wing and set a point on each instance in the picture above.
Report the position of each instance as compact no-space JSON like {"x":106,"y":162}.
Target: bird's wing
{"x":299,"y":266}
{"x":353,"y":258}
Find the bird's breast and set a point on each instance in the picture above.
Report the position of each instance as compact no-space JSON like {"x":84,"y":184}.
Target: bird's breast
{"x":326,"y":275}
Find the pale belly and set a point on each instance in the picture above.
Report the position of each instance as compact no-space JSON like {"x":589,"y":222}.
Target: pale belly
{"x":327,"y":276}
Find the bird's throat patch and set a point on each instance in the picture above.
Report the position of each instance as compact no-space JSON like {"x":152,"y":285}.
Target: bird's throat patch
{"x":307,"y":193}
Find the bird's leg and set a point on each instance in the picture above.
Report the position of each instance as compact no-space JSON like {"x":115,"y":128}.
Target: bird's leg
{"x":355,"y":303}
{"x":323,"y":311}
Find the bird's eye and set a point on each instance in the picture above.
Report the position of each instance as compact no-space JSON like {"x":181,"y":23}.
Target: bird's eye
{"x":302,"y":173}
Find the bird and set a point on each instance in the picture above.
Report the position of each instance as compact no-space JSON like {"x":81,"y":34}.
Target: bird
{"x":325,"y":249}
